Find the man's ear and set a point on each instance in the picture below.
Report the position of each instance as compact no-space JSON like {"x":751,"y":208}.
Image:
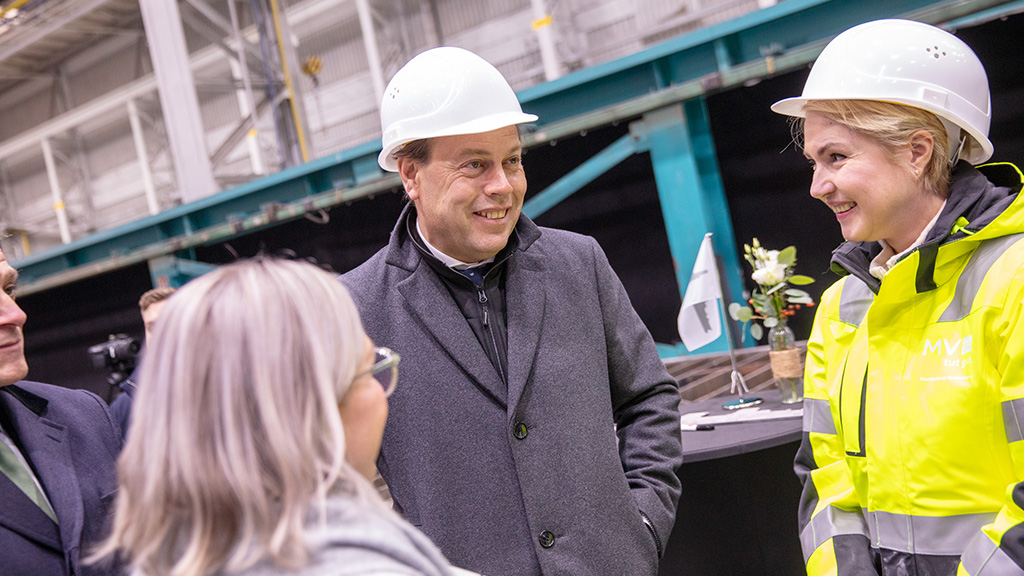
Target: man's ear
{"x":409,"y":170}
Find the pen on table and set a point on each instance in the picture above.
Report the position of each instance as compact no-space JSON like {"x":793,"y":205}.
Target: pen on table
{"x":698,"y":426}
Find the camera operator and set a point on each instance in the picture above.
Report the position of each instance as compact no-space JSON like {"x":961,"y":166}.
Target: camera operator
{"x":150,"y":305}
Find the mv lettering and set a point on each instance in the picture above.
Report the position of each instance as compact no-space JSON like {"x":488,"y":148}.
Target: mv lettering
{"x":953,"y":350}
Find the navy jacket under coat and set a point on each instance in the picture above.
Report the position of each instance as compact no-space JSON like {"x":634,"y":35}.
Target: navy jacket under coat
{"x":72,"y":444}
{"x":580,"y":362}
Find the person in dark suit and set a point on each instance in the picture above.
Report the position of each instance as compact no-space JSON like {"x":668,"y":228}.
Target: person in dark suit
{"x":57,"y":454}
{"x":534,"y":429}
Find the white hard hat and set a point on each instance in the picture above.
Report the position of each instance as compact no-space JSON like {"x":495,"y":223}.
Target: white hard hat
{"x":905,"y":62}
{"x":444,"y":92}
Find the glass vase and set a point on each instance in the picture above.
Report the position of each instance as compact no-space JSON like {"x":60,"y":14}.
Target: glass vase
{"x":787,"y":368}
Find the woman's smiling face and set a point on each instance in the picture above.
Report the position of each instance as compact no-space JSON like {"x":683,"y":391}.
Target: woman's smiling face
{"x":874,"y":193}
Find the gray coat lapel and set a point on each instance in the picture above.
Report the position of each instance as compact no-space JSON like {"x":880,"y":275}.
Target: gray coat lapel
{"x":46,"y":442}
{"x":524,"y":305}
{"x":21,"y":515}
{"x":433,"y":306}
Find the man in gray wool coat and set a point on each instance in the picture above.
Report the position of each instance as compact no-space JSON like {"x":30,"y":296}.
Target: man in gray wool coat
{"x":534,"y":429}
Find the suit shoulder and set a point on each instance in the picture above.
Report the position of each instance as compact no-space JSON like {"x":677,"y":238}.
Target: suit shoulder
{"x":363,"y":277}
{"x":563,"y":236}
{"x":69,"y":406}
{"x":54,"y":393}
{"x":554,"y":243}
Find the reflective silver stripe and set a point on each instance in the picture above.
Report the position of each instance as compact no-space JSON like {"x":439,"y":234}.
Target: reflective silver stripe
{"x":1013,"y":413}
{"x":983,"y":558}
{"x":970,"y":280}
{"x":828,"y":523}
{"x":818,"y":417}
{"x":855,"y":301}
{"x":938,"y":535}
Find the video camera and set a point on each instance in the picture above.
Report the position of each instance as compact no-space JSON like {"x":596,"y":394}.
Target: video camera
{"x":118,"y":355}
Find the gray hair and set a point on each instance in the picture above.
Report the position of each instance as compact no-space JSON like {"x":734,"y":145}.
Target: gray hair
{"x":238,"y":430}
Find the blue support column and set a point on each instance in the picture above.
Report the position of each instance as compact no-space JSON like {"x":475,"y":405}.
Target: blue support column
{"x":692,"y":199}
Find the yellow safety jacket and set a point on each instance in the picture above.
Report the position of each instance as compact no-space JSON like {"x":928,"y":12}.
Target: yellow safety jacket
{"x":912,"y":460}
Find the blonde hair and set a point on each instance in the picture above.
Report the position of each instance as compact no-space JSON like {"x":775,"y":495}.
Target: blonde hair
{"x":150,"y":297}
{"x":892,"y":126}
{"x":238,"y":430}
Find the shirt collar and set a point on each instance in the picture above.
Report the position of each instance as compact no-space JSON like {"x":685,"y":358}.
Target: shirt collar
{"x":447,"y":260}
{"x":887,"y":258}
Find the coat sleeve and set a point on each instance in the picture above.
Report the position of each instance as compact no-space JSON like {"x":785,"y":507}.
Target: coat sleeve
{"x":833,"y":532}
{"x":645,"y":399}
{"x":998,"y":549}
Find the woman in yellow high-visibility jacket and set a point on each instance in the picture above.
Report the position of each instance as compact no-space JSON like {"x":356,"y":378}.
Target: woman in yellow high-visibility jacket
{"x":912,"y":457}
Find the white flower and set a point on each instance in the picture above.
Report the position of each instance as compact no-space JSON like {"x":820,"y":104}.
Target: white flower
{"x":771,"y":273}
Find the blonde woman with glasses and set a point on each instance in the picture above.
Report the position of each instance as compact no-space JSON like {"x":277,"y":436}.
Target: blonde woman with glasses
{"x":256,"y":433}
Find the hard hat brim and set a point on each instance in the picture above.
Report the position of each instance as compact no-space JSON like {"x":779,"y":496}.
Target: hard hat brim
{"x":979,"y":153}
{"x":475,"y":126}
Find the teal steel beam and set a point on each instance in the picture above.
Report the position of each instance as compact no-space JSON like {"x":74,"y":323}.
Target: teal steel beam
{"x":704,"y":54}
{"x":982,"y":16}
{"x":692,"y":199}
{"x":784,"y":37}
{"x":289,"y":194}
{"x":174,"y":271}
{"x":582,"y":175}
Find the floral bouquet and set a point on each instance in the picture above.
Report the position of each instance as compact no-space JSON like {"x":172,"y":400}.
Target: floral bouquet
{"x":773,"y":300}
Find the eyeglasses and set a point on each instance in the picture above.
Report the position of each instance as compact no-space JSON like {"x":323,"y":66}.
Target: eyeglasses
{"x":385,"y":369}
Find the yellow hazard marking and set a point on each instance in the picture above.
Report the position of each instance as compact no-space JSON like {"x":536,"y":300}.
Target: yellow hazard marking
{"x":542,"y":22}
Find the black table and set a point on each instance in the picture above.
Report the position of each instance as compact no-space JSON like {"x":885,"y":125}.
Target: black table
{"x":737,"y":513}
{"x":731,"y":439}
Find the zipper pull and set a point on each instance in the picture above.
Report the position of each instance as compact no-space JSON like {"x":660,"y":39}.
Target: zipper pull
{"x":481,"y":296}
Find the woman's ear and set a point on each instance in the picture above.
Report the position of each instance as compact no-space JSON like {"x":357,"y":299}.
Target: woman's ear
{"x":408,"y":169}
{"x":922,"y":145}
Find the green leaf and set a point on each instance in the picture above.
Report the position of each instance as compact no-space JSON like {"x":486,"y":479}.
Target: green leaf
{"x":794,"y":293}
{"x":801,"y":300}
{"x":770,"y":322}
{"x":755,"y":331}
{"x":776,"y":287}
{"x":787,"y":256}
{"x":744,"y":314}
{"x":800,"y":280}
{"x":734,"y":308}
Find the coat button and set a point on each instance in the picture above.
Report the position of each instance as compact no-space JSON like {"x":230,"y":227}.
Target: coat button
{"x":519,"y":430}
{"x":547,"y":539}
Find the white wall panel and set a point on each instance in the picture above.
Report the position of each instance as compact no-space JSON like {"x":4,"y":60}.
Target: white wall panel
{"x":113,"y":70}
{"x":25,"y":114}
{"x":109,"y":146}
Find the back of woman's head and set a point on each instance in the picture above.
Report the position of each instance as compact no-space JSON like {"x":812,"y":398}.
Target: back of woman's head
{"x":237,"y":426}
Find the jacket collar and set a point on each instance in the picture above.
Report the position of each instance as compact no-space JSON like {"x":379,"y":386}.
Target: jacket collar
{"x":977,"y":196}
{"x":403,"y":237}
{"x":525,"y":305}
{"x":34,"y":403}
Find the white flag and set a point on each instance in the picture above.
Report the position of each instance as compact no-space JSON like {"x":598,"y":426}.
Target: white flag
{"x":699,"y":323}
